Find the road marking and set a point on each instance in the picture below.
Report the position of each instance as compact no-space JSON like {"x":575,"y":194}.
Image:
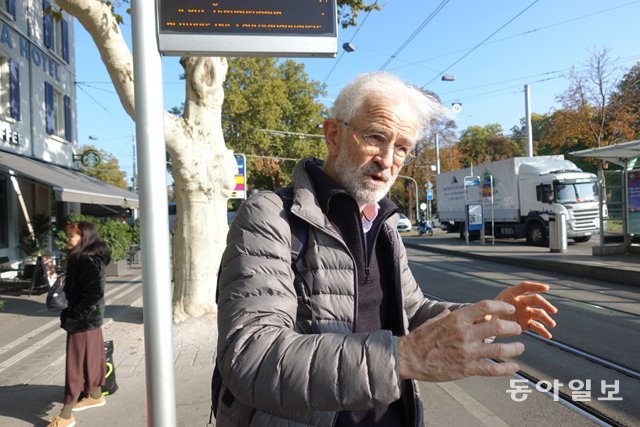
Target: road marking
{"x":44,"y":341}
{"x":475,"y":408}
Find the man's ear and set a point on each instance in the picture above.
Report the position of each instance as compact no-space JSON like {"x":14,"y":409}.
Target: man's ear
{"x":330,"y":127}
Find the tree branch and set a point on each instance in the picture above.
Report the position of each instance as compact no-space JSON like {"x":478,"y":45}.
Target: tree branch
{"x":98,"y":19}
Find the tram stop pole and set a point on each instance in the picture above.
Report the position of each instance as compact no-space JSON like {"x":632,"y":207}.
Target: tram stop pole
{"x":156,"y":285}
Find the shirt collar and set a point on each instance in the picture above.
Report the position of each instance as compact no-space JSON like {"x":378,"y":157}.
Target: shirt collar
{"x":369,"y":213}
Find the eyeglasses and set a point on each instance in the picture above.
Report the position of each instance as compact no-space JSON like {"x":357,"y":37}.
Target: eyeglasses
{"x":376,"y":143}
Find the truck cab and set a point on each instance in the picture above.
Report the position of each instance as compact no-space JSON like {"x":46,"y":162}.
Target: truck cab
{"x":559,"y":182}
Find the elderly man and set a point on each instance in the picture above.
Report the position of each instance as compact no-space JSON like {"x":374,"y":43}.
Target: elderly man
{"x":348,"y":352}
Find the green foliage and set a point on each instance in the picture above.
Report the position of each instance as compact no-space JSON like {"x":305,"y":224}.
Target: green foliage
{"x":36,"y":244}
{"x":625,"y":107}
{"x":484,"y":144}
{"x":349,"y":10}
{"x":135,"y":233}
{"x":108,"y":170}
{"x":117,"y":234}
{"x":268,"y":105}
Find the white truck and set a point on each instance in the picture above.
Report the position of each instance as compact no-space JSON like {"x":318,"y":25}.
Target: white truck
{"x":525,"y":190}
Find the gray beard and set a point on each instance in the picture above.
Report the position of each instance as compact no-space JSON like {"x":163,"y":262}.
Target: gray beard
{"x":355,"y":181}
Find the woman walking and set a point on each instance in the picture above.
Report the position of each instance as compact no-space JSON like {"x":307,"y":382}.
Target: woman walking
{"x":84,"y":287}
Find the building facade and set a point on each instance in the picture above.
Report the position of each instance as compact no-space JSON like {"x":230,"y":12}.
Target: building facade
{"x":39,"y":156}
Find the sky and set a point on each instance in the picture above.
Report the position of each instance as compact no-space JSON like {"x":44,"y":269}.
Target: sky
{"x":492,"y":47}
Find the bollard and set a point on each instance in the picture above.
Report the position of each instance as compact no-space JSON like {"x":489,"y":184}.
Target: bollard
{"x":558,"y":229}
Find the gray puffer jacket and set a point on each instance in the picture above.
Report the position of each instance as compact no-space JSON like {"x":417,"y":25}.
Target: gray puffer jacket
{"x":290,"y":364}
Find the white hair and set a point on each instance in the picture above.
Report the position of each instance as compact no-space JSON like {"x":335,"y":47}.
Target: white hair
{"x":385,"y":85}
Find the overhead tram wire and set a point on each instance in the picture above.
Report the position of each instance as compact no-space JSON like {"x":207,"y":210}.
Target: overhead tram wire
{"x":481,"y":43}
{"x":553,"y":75}
{"x":79,"y":86}
{"x":524,"y":33}
{"x":288,"y":133}
{"x":417,"y":31}
{"x":335,"y":64}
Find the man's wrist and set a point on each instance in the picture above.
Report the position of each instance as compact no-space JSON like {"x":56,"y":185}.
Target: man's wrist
{"x":401,"y":357}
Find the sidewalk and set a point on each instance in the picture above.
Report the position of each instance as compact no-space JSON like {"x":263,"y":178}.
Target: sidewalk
{"x":32,"y":388}
{"x":194,"y":341}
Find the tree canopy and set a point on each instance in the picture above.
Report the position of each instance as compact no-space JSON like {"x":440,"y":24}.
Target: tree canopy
{"x":484,"y":144}
{"x":108,"y":170}
{"x":269,"y":114}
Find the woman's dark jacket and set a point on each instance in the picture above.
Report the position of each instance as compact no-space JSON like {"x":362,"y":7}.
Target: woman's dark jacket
{"x":84,"y":288}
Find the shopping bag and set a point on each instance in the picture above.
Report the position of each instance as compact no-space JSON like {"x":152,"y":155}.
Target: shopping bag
{"x":110,"y":385}
{"x":56,"y":298}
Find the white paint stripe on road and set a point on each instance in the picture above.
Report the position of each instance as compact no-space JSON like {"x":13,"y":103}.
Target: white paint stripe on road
{"x":44,"y":341}
{"x":475,"y":408}
{"x":54,"y":322}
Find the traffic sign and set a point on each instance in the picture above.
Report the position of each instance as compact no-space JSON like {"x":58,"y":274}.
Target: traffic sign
{"x":429,"y":194}
{"x":241,"y":178}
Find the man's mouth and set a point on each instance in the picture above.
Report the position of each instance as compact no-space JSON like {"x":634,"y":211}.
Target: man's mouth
{"x":377,"y":177}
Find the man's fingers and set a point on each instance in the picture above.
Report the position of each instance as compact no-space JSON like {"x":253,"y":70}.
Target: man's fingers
{"x":502,"y":350}
{"x":498,"y":328}
{"x":537,"y":300}
{"x":542,"y":316}
{"x":539,"y":329}
{"x":525,"y":287}
{"x":476,"y":312}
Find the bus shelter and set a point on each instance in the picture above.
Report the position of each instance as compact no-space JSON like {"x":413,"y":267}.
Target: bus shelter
{"x":626,"y":156}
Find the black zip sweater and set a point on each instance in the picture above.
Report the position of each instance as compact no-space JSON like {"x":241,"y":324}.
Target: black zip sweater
{"x":376,"y":300}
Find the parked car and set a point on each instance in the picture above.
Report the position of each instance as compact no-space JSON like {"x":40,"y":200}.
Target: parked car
{"x":404,"y":224}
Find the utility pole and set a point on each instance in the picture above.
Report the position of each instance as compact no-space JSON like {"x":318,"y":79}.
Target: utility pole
{"x":527,"y":110}
{"x":437,"y":154}
{"x":134,"y":178}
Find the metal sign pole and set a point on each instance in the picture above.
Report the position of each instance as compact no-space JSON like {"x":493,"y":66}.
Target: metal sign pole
{"x":493,"y":226}
{"x":156,"y":272}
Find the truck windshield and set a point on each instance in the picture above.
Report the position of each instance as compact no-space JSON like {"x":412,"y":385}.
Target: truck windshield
{"x":577,"y":192}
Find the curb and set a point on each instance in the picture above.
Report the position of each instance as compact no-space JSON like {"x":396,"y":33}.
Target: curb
{"x":598,"y":272}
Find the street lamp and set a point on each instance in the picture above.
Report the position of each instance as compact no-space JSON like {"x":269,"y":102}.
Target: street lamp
{"x":348,"y":47}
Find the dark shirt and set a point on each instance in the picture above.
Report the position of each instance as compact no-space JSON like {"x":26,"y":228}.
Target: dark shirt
{"x":376,"y":303}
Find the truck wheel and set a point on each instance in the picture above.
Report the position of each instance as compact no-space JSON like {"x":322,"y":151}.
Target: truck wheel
{"x":536,"y":235}
{"x":582,"y":239}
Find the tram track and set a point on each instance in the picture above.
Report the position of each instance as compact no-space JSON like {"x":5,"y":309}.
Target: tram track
{"x":577,"y":362}
{"x":608,"y":364}
{"x":566,"y":400}
{"x":590,"y":412}
{"x":557,"y":287}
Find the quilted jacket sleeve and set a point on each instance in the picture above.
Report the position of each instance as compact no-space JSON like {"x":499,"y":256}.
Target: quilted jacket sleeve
{"x":263,"y":361}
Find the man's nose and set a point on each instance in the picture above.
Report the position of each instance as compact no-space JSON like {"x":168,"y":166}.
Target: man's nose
{"x":386,"y":156}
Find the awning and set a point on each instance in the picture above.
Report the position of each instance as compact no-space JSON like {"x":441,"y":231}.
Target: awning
{"x":68,"y":185}
{"x":618,"y":154}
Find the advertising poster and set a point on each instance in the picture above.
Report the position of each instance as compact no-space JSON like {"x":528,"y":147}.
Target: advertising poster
{"x":633,"y":197}
{"x":474,"y":213}
{"x":241,"y":178}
